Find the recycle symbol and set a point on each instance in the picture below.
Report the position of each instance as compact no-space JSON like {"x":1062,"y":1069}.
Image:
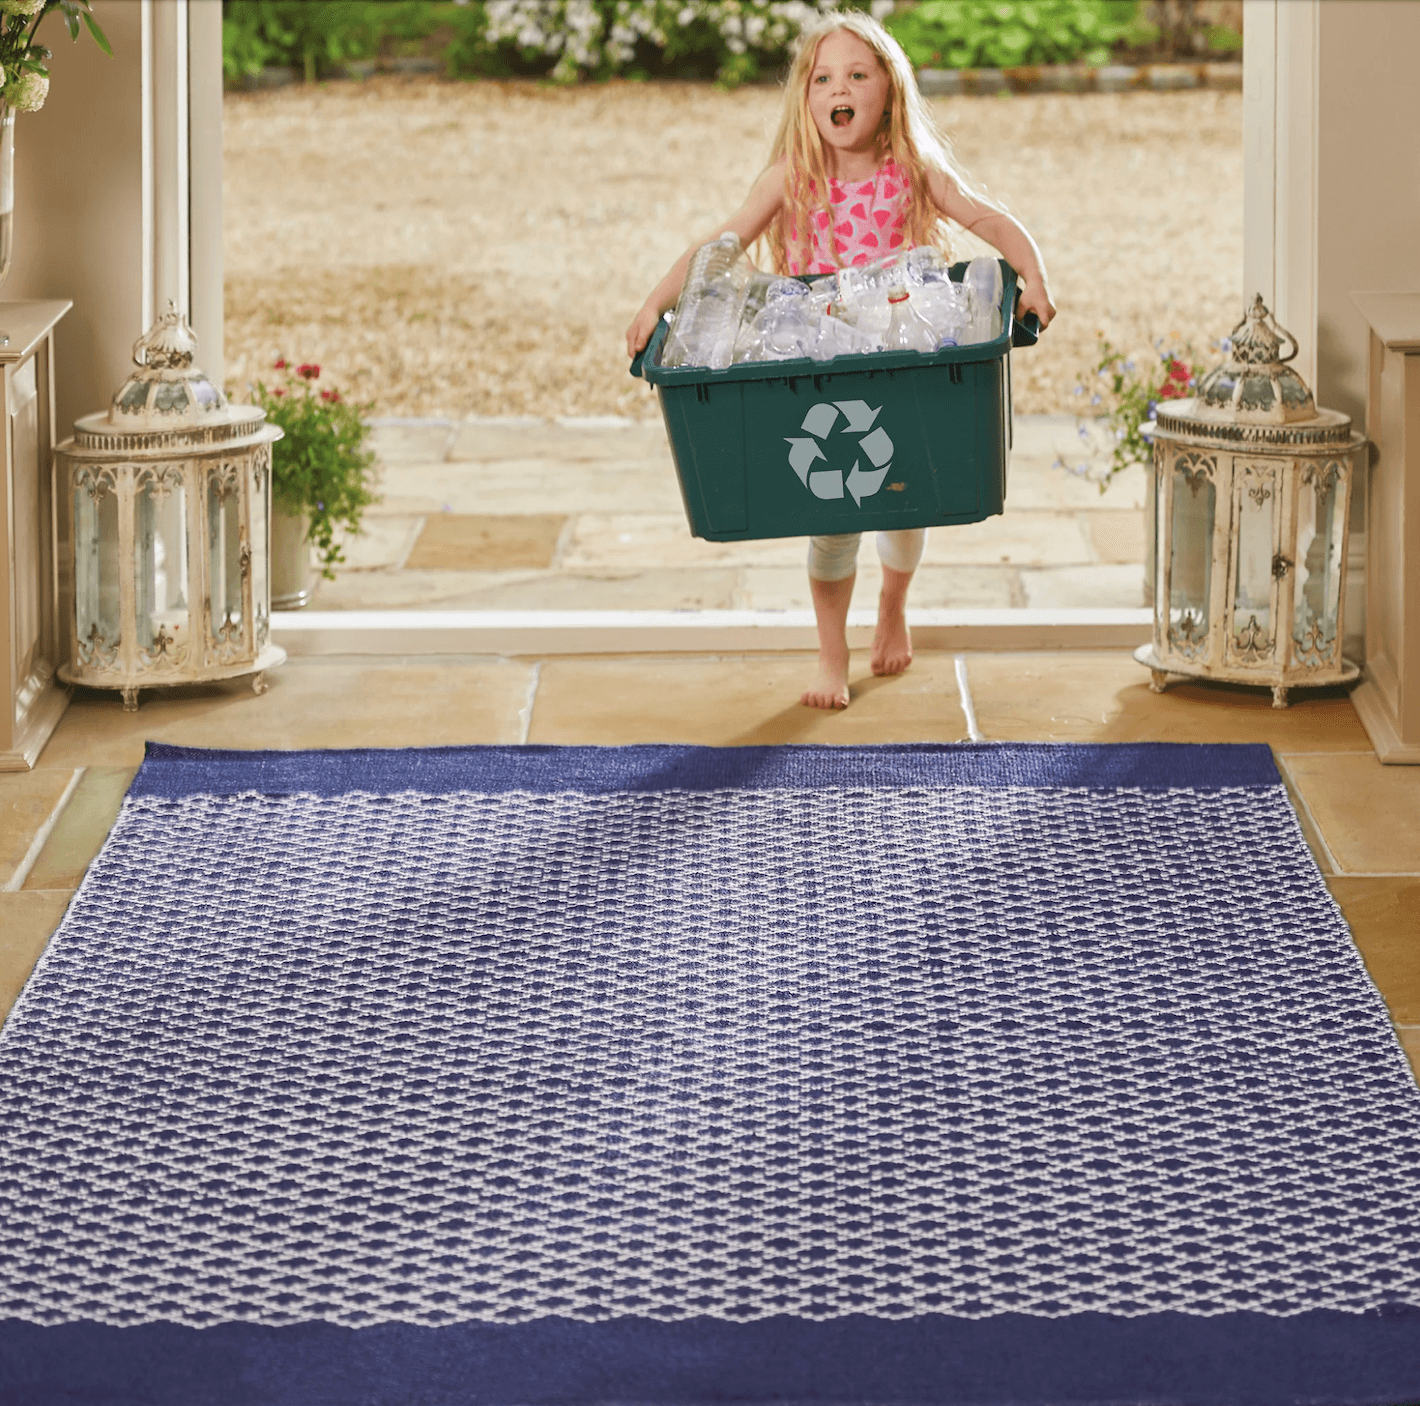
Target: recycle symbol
{"x":830,"y":483}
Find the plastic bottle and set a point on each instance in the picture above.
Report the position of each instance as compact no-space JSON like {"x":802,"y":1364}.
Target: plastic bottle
{"x":707,"y":313}
{"x":947,"y":306}
{"x":838,"y":337}
{"x":907,"y":329}
{"x":786,"y":328}
{"x":983,"y":280}
{"x":925,"y":267}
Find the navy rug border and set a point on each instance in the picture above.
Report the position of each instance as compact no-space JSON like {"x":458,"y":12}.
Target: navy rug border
{"x":1321,"y":1358}
{"x":172,"y":772}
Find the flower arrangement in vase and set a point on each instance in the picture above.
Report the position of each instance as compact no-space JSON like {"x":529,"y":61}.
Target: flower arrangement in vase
{"x":26,"y":85}
{"x":322,"y":474}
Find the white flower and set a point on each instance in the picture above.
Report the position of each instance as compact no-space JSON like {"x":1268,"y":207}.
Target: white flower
{"x":21,"y":7}
{"x":28,"y":92}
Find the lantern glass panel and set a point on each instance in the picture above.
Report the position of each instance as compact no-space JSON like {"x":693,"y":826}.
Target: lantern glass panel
{"x":1252,"y":584}
{"x":260,"y":518}
{"x":160,"y":564}
{"x":1191,"y":557}
{"x":97,"y":608}
{"x":1320,"y":510}
{"x":224,"y":555}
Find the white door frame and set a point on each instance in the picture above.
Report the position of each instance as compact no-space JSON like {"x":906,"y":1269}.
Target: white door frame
{"x":183,"y":83}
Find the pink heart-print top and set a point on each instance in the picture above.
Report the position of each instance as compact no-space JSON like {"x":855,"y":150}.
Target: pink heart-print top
{"x":868,"y":219}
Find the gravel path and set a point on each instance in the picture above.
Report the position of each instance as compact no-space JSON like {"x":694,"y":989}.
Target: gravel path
{"x":478,"y":248}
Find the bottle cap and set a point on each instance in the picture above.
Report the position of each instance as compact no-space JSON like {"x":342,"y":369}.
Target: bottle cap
{"x":898,"y":295}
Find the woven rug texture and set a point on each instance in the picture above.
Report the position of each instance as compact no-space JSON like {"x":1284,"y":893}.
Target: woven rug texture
{"x":912,"y":1074}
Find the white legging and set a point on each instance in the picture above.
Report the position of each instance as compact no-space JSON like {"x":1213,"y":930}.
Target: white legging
{"x":836,"y":558}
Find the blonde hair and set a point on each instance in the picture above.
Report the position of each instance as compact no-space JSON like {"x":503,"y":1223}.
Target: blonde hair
{"x":909,"y":135}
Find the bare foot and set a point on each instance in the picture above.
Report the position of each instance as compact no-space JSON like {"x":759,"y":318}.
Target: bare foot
{"x":892,"y":645}
{"x":829,"y":690}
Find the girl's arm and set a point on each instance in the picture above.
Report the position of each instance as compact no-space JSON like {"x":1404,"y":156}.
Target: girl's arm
{"x":1005,"y":234}
{"x":749,"y":222}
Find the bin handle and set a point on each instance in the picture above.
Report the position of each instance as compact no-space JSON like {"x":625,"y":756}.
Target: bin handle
{"x":658,"y":335}
{"x":1025,"y":331}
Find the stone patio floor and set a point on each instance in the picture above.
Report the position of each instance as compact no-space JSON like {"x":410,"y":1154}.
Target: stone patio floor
{"x":507,"y":514}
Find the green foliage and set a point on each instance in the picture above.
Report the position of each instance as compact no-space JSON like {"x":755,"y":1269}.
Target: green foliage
{"x":22,"y":57}
{"x":1010,"y":33}
{"x":1123,"y":399}
{"x":318,"y":35}
{"x":321,"y":468}
{"x":1222,"y":40}
{"x":732,"y":41}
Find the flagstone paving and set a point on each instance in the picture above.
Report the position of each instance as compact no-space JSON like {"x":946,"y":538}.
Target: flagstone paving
{"x":586,"y":514}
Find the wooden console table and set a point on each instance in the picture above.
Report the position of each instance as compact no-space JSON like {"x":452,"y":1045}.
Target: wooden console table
{"x":30,"y":636}
{"x":1388,"y":696}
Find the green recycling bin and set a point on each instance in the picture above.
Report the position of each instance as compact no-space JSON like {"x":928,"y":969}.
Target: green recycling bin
{"x":857,"y":444}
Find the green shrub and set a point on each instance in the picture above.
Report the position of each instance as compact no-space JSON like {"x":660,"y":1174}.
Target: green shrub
{"x":1002,"y":34}
{"x":732,"y":41}
{"x":318,"y":35}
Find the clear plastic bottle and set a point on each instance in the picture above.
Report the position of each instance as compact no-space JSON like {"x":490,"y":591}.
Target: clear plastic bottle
{"x":907,"y":329}
{"x":838,"y":337}
{"x":707,"y":313}
{"x":786,"y":328}
{"x":947,"y":306}
{"x":983,"y":280}
{"x":756,"y":295}
{"x":925,"y":267}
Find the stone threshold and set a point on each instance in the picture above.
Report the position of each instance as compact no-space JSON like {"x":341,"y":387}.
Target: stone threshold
{"x":309,"y":633}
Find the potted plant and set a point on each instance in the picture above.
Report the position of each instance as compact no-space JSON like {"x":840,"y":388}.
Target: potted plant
{"x":322,"y":478}
{"x":1124,"y":398}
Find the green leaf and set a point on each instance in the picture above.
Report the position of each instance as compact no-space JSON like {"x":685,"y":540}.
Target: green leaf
{"x":100,"y":38}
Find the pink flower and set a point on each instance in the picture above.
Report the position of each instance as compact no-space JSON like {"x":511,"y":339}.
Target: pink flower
{"x":330,"y":397}
{"x":279,"y":363}
{"x":280,"y":390}
{"x":309,"y":371}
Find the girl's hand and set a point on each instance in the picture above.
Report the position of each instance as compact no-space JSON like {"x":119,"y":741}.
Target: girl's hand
{"x":1035,"y":298}
{"x":639,"y":333}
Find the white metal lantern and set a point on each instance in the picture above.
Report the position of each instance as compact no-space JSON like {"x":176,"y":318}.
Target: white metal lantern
{"x":164,"y":522}
{"x":1252,"y":495}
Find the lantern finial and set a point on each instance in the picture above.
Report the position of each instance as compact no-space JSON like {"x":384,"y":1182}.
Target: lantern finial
{"x":169,"y":344}
{"x":169,"y":390}
{"x":1254,"y":386}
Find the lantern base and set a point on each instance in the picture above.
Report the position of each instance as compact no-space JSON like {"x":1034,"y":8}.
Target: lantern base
{"x":1162,"y":675}
{"x":129,"y":687}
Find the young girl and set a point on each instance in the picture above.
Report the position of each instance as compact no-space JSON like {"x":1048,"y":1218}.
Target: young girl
{"x":858,"y":169}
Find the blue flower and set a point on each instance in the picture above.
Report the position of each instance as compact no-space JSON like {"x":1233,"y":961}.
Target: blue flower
{"x":1128,"y":365}
{"x":1094,"y":400}
{"x":1083,"y":432}
{"x":1153,"y":409}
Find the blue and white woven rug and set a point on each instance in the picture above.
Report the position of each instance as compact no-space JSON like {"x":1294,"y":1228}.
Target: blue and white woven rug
{"x":915,"y":1076}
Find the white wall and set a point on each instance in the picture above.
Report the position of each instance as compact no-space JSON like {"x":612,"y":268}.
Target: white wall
{"x":101,"y":216}
{"x":1368,"y":179}
{"x":79,"y":205}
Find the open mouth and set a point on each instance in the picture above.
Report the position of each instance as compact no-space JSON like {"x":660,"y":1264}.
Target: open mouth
{"x":841,"y":116}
